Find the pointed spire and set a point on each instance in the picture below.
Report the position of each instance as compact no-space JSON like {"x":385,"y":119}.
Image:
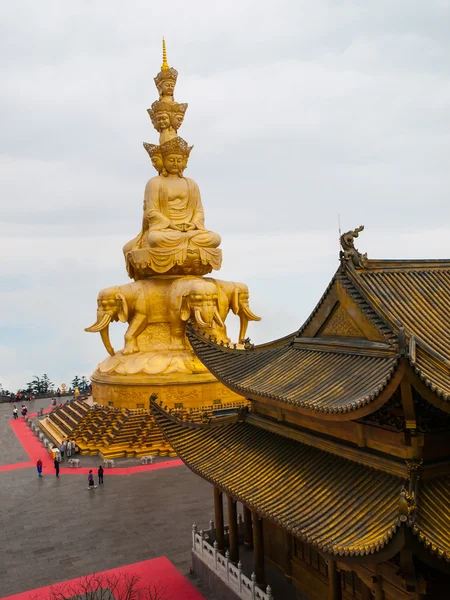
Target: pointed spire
{"x":165,"y":64}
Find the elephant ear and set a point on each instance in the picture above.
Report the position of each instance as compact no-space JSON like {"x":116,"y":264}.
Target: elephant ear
{"x":185,"y":311}
{"x":235,"y":300}
{"x":122,"y":308}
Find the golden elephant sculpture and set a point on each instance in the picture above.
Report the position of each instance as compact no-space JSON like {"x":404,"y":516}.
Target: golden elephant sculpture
{"x":180,"y":299}
{"x":234,"y":296}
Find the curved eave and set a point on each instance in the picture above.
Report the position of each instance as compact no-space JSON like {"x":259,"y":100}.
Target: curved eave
{"x":432,"y":526}
{"x":328,"y":385}
{"x":342,"y":508}
{"x":426,"y":320}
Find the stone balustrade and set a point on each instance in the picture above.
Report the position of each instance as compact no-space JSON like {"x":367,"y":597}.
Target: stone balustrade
{"x":232,"y":575}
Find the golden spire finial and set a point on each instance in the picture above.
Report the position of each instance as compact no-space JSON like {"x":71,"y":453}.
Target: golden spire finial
{"x":165,"y":65}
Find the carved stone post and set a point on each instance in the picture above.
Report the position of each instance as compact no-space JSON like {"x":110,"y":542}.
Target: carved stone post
{"x":334,"y":582}
{"x":218,"y":517}
{"x":233,"y":530}
{"x":248,"y":528}
{"x":258,"y":552}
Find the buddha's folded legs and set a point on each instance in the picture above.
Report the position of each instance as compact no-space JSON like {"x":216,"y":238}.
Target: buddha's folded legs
{"x":170,"y":239}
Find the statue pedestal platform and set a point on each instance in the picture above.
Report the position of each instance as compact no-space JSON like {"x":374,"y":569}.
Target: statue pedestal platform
{"x":177,"y":390}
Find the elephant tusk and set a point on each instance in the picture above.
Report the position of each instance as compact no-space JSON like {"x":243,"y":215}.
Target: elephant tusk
{"x":198,"y":318}
{"x":217,"y":318}
{"x":248,"y":313}
{"x":104,"y":333}
{"x":100,"y":324}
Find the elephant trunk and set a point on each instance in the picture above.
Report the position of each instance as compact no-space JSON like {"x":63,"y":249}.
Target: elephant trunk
{"x":102,"y":326}
{"x":103,"y":320}
{"x":199,"y":319}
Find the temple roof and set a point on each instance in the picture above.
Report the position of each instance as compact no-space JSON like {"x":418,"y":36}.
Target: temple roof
{"x":414,"y":295}
{"x":433,"y":516}
{"x":311,"y":376}
{"x":318,"y":369}
{"x":340,"y":507}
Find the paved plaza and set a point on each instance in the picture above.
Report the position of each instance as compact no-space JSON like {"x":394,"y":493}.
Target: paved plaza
{"x":56,"y":529}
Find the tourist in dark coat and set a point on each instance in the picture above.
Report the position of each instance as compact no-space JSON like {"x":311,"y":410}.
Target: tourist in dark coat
{"x":100,"y":474}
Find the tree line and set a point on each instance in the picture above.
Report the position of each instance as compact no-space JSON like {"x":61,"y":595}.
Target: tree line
{"x":43,"y":385}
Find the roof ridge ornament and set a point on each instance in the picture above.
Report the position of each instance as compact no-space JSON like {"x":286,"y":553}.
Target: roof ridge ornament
{"x":349,"y":253}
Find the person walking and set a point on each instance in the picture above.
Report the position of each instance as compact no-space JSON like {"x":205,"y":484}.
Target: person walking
{"x":15,"y":412}
{"x":62,"y":448}
{"x":56,"y":464}
{"x":68,"y":448}
{"x":73,"y":445}
{"x":39,"y":467}
{"x":100,"y":474}
{"x":91,"y":485}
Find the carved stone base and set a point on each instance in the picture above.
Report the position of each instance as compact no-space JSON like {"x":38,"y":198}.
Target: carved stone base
{"x":177,"y":391}
{"x":139,"y":263}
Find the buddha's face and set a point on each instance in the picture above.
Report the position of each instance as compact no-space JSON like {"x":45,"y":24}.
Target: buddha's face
{"x":167,"y":87}
{"x":177,"y":120}
{"x":162,"y":120}
{"x":174,"y":163}
{"x":157,"y":162}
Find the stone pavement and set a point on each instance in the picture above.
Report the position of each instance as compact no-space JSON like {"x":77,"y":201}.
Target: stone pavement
{"x":56,"y":529}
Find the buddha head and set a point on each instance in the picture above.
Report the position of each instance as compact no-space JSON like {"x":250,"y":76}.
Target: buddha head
{"x":175,"y":155}
{"x":177,"y":116}
{"x":156,"y":157}
{"x":160,"y":114}
{"x":166,"y":79}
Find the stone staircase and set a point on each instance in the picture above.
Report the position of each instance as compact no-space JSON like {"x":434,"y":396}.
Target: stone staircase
{"x":117,"y":432}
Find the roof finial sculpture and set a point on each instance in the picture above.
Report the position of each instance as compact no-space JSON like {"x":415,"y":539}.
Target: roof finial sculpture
{"x":349,"y":252}
{"x":165,"y":64}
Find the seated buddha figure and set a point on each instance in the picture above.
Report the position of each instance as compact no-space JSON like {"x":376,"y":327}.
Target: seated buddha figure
{"x":173,"y":221}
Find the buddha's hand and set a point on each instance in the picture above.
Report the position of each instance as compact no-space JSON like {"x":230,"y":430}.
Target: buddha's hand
{"x":176,"y":227}
{"x":189,"y":226}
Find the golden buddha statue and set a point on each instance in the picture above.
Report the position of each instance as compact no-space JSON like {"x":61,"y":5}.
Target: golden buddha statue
{"x":173,"y":239}
{"x":167,"y":260}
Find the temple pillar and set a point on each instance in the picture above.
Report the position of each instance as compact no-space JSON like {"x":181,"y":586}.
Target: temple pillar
{"x":233,"y":530}
{"x":258,"y":549}
{"x":366,"y":592}
{"x":218,"y":517}
{"x":379,"y":594}
{"x":334,"y":581}
{"x":248,"y":528}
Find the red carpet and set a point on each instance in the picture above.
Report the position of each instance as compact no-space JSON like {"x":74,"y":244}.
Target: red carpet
{"x":35,"y":450}
{"x":157,"y":571}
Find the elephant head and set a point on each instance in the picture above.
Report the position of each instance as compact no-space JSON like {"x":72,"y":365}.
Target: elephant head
{"x":111,"y":306}
{"x":240,"y":306}
{"x":199,"y":300}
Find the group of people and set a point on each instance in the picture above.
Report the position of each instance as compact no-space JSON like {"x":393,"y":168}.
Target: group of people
{"x":20,"y":396}
{"x":91,"y":482}
{"x":68,"y":446}
{"x":23,"y":410}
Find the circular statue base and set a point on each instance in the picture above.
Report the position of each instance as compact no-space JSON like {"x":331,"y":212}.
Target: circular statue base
{"x":176,"y":390}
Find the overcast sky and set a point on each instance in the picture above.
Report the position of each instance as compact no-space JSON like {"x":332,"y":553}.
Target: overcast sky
{"x":298,"y":111}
